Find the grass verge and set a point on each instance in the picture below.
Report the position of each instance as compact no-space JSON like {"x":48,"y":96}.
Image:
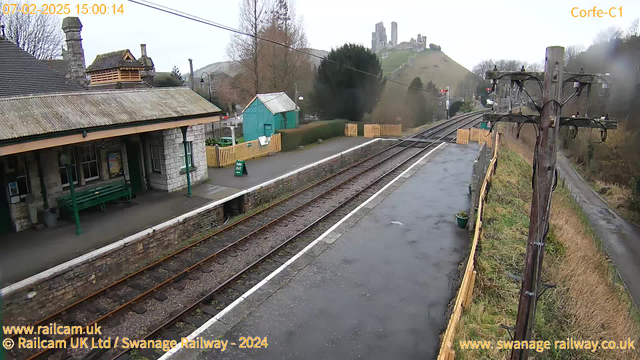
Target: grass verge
{"x":587,"y":303}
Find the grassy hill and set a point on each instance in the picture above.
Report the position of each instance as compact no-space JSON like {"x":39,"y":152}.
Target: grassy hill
{"x":394,"y":60}
{"x":429,"y":65}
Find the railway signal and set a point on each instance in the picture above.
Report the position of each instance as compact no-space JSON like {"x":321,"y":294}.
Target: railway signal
{"x":547,"y":125}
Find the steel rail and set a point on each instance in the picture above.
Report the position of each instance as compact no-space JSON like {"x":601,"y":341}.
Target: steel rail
{"x":234,"y":224}
{"x":235,"y":277}
{"x":426,"y":132}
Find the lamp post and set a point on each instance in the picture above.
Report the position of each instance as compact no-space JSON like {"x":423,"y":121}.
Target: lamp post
{"x":297,"y":97}
{"x":209,"y":80}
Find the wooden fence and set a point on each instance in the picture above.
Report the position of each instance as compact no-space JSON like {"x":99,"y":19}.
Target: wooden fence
{"x":351,"y":130}
{"x":390,"y":130}
{"x":224,"y":156}
{"x":480,"y":135}
{"x":377,"y":130}
{"x":462,"y":136}
{"x":371,"y":130}
{"x":465,"y":293}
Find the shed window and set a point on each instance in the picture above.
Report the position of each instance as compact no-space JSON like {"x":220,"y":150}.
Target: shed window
{"x":89,"y":163}
{"x":189,"y":156}
{"x":156,"y":158}
{"x":64,"y":178}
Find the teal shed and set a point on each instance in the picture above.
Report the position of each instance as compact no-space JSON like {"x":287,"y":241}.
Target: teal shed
{"x":267,"y":113}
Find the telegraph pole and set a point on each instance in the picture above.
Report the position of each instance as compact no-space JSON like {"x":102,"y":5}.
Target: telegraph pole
{"x":547,"y":125}
{"x":543,"y":182}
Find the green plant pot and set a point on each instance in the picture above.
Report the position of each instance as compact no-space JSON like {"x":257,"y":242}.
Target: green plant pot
{"x":462,"y":221}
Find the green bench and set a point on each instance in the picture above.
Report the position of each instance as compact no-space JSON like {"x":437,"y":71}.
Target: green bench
{"x":95,"y":196}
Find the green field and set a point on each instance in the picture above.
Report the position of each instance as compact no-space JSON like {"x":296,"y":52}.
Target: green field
{"x":395,"y":60}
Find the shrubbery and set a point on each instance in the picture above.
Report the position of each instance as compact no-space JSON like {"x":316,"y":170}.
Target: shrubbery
{"x":310,"y":133}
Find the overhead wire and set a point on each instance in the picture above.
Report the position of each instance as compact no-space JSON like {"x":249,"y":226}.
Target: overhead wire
{"x":191,"y":17}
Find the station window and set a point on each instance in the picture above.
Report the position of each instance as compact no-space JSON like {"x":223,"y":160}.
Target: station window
{"x":156,"y":158}
{"x":189,"y":156}
{"x":64,"y":178}
{"x":19,"y":177}
{"x":89,"y":162}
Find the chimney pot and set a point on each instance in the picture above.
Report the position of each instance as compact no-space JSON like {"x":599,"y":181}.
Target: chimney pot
{"x":143,"y":49}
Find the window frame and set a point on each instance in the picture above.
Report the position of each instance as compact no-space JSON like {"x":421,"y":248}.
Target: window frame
{"x":156,"y":158}
{"x":189,"y":153}
{"x":75,"y":169}
{"x":94,"y":154}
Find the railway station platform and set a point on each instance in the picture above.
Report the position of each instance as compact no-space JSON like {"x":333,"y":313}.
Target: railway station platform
{"x":374,"y":286}
{"x":30,"y":252}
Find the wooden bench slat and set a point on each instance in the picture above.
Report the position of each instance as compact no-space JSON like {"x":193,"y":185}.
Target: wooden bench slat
{"x":96,"y":196}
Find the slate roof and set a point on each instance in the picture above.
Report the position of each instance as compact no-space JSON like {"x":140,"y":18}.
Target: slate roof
{"x":59,"y":113}
{"x":276,"y":102}
{"x":113,"y":60}
{"x":22,"y":74}
{"x":58,"y":65}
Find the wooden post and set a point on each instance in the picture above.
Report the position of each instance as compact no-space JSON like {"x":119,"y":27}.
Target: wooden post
{"x":217,"y":155}
{"x":469,"y":295}
{"x":543,"y":179}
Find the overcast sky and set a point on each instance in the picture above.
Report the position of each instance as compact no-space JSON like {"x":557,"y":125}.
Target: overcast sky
{"x":468,"y":31}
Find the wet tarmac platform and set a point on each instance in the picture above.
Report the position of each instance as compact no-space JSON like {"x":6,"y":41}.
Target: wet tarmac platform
{"x":375,"y":286}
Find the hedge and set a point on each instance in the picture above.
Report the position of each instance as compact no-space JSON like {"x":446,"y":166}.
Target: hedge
{"x":310,"y":133}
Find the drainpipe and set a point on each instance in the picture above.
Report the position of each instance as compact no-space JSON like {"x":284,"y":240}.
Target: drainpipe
{"x":186,"y":158}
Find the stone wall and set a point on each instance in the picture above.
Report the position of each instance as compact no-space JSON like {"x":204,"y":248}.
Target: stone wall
{"x":53,"y":182}
{"x":94,"y":272}
{"x":60,"y":286}
{"x":299,"y":180}
{"x":174,"y":164}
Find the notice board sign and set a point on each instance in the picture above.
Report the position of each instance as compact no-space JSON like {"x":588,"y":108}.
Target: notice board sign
{"x":241,"y":168}
{"x":114,"y":160}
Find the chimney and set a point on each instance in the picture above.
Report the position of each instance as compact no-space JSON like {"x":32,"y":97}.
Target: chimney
{"x":149,"y":70}
{"x":71,"y":26}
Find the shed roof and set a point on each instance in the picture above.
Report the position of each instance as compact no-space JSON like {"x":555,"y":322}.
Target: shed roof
{"x":22,"y":74}
{"x":276,"y":102}
{"x":57,"y":113}
{"x":114,"y":60}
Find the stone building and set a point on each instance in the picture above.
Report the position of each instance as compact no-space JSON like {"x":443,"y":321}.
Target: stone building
{"x":136,"y":136}
{"x":379,"y":38}
{"x":394,"y":34}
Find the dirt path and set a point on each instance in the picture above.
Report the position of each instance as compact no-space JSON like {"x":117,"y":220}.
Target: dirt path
{"x":620,"y":237}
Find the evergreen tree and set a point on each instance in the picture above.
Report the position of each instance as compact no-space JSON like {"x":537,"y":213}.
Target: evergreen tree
{"x":345,"y":93}
{"x":175,"y":74}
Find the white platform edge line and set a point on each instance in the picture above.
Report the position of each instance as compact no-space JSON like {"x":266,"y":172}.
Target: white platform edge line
{"x":256,"y":287}
{"x":132,"y":238}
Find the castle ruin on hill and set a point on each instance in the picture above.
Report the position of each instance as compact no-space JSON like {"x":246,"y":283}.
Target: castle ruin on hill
{"x":379,"y":42}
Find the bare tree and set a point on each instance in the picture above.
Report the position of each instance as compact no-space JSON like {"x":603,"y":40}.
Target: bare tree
{"x":246,"y":50}
{"x":572,"y":52}
{"x":482,"y":67}
{"x":611,"y":33}
{"x":285,"y":65}
{"x":534,"y":67}
{"x":38,"y":34}
{"x":633,"y":28}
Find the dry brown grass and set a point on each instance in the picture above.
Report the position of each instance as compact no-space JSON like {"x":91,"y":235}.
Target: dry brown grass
{"x":598,"y":308}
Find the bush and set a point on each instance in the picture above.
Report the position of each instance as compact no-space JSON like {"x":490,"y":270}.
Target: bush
{"x":310,"y":133}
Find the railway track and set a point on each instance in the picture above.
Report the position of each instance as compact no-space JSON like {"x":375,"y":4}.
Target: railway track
{"x":231,"y":260}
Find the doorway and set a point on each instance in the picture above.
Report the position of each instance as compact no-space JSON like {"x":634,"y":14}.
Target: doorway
{"x":133,"y":159}
{"x":5,"y":214}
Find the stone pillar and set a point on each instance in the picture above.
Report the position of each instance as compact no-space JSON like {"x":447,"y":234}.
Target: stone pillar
{"x":74,"y":53}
